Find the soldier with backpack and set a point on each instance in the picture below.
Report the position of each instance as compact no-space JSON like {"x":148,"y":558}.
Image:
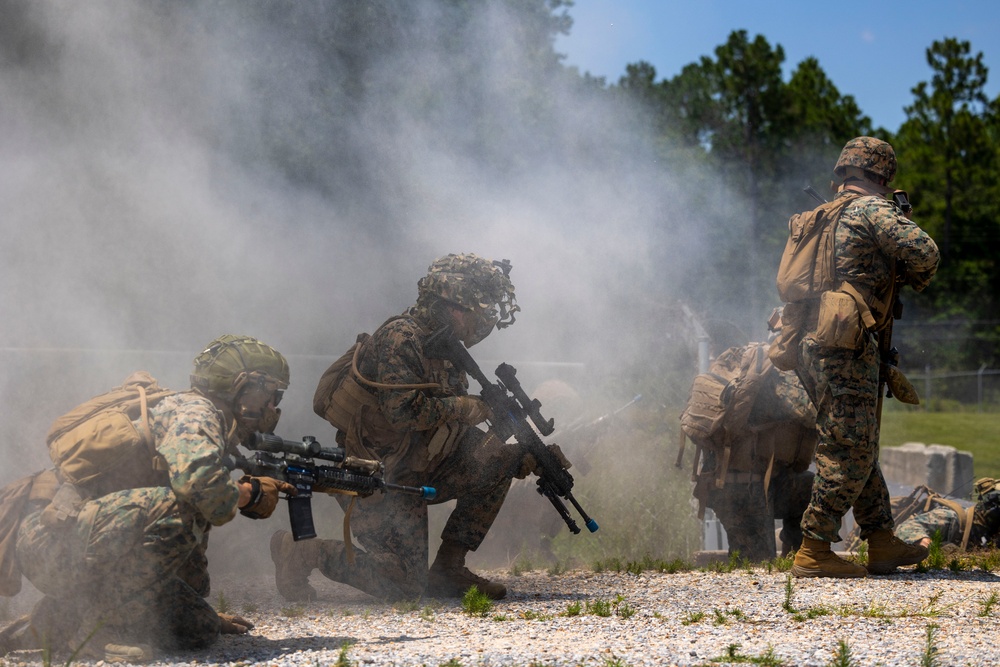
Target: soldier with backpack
{"x":754,"y":427}
{"x":115,"y":535}
{"x":389,"y":401}
{"x":841,"y":296}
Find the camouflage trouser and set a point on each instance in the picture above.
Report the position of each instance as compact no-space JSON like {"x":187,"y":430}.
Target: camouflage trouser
{"x":939,"y":519}
{"x":749,"y":518}
{"x":843,"y":383}
{"x":392,"y":527}
{"x":133,"y":563}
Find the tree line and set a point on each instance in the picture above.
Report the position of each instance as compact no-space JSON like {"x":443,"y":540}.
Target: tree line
{"x":735,"y":112}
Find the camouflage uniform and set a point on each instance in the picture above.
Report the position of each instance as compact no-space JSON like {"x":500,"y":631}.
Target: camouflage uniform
{"x":134,"y":559}
{"x":870,"y":234}
{"x":938,"y":520}
{"x":780,"y":412}
{"x":985,"y":530}
{"x":472,"y":467}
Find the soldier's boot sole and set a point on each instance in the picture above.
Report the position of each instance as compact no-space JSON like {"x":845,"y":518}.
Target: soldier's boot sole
{"x":454,"y":584}
{"x":801,"y":572}
{"x":289,"y":576}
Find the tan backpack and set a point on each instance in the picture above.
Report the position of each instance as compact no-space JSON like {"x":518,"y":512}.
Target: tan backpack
{"x":807,"y":270}
{"x":715,"y":416}
{"x":96,"y":446}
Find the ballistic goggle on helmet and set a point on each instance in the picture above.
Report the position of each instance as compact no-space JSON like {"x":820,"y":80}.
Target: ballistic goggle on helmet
{"x":233,"y":364}
{"x":476,"y":284}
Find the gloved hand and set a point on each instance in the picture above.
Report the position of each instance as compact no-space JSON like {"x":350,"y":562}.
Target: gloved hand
{"x":264,"y":495}
{"x":234,"y":625}
{"x":472,"y":410}
{"x":530,"y":466}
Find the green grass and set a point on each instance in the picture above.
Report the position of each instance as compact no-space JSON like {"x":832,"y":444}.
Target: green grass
{"x":973,"y":432}
{"x":476,"y":603}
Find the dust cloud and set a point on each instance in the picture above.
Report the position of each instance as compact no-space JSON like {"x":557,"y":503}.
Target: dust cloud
{"x":177,"y":170}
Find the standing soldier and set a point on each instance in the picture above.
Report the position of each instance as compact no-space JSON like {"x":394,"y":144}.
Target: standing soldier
{"x":875,"y":246}
{"x":414,"y":413}
{"x":119,"y":554}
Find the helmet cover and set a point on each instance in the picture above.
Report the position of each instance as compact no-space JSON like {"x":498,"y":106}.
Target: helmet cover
{"x":229,"y":362}
{"x":868,"y":154}
{"x":474,"y":283}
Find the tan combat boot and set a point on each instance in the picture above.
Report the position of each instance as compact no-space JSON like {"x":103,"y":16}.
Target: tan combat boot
{"x":886,"y":552}
{"x":449,"y":578}
{"x":293,"y":563}
{"x":815,"y":559}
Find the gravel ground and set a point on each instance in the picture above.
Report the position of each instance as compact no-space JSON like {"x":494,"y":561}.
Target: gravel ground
{"x":654,"y":621}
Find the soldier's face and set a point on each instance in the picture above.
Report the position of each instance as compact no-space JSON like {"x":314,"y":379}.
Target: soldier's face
{"x":256,"y":406}
{"x":473,"y":324}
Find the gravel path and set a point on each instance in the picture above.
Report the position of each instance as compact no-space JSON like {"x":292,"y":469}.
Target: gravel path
{"x":689,"y":618}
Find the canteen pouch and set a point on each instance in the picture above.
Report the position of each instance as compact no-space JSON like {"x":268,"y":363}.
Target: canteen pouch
{"x":839,"y":323}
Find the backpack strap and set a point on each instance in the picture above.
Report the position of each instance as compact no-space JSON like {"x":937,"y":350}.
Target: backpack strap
{"x":969,"y":513}
{"x":965,"y":515}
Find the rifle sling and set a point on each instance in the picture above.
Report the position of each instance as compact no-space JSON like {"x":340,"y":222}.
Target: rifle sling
{"x":348,"y":545}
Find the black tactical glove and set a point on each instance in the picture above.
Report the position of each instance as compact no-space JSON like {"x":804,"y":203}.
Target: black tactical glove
{"x":264,"y":495}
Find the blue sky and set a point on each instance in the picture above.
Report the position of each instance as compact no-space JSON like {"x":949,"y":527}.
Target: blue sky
{"x":875,"y":51}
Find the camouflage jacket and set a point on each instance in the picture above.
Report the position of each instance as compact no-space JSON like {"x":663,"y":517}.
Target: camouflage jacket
{"x":870,"y":234}
{"x":394,"y":356}
{"x":189,"y":432}
{"x":924,"y":525}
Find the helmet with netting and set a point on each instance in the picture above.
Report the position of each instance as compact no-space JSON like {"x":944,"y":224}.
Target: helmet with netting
{"x":230,"y":362}
{"x":471,"y":282}
{"x":869,"y":155}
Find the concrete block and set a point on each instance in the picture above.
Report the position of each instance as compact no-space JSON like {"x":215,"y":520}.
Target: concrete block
{"x":941,"y":467}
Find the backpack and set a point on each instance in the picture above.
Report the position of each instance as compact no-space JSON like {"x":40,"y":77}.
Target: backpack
{"x":97,"y":445}
{"x":718,"y":408}
{"x":332,"y":380}
{"x":807,"y":269}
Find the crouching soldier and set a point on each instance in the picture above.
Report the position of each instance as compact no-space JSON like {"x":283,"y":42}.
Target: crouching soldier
{"x":115,"y":536}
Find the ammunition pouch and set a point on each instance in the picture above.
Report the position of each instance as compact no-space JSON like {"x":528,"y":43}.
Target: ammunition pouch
{"x":843,"y":318}
{"x":64,"y":508}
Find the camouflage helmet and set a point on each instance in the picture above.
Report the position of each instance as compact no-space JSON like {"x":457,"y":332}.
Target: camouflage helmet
{"x":226,"y":365}
{"x":869,"y":155}
{"x":471,"y":282}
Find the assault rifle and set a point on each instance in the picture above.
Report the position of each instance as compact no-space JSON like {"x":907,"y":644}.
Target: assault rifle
{"x":512,"y":409}
{"x":293,"y":462}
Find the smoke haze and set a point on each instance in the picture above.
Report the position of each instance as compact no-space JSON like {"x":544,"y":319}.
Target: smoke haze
{"x":173,"y":171}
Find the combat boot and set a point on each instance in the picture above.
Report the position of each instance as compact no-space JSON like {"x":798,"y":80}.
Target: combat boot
{"x":293,"y":563}
{"x":886,"y":552}
{"x":449,"y":578}
{"x":815,"y":558}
